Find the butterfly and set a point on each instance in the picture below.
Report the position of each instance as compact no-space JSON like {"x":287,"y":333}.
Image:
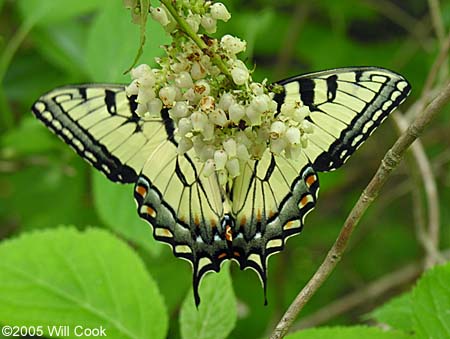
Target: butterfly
{"x":264,"y":205}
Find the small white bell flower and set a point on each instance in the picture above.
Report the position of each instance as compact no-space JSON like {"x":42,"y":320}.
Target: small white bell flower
{"x":160,"y":15}
{"x":220,"y":12}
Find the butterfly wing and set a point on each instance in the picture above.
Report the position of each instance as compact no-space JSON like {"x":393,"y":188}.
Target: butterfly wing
{"x":346,"y":105}
{"x":99,"y":122}
{"x":185,"y":208}
{"x":273,"y":195}
{"x":270,"y":202}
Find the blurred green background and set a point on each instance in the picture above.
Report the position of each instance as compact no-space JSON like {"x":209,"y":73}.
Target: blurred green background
{"x":44,"y":184}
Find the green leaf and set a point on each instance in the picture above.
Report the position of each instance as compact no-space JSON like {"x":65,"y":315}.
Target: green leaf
{"x":216,"y":314}
{"x":113,"y":42}
{"x":46,"y":191}
{"x":90,"y":278}
{"x":397,"y":313}
{"x":63,"y":45}
{"x":49,"y":11}
{"x":353,"y":332}
{"x":431,"y":303}
{"x":117,"y":209}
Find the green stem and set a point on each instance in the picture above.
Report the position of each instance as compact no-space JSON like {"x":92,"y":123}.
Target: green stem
{"x":217,"y":60}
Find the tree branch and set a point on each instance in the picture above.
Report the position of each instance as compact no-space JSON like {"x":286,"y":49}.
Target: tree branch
{"x":374,"y":290}
{"x":389,"y":162}
{"x":430,"y":239}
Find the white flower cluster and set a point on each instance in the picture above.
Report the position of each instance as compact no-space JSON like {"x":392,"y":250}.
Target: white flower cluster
{"x":225,"y":127}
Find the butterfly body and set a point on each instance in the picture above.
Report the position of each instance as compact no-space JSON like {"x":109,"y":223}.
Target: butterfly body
{"x":249,"y":217}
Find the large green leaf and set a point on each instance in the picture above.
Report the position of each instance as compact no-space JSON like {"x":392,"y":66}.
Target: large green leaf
{"x":354,"y":332}
{"x":113,"y":42}
{"x":45,"y":191}
{"x":91,"y":279}
{"x":117,"y":209}
{"x":216,"y":315}
{"x":431,"y":303}
{"x":397,"y":313}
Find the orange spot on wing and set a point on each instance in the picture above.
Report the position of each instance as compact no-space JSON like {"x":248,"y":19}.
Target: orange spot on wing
{"x":236,"y":254}
{"x":151,"y":212}
{"x":166,"y":232}
{"x":258,"y":216}
{"x":304,"y":201}
{"x":310,"y":180}
{"x":271,"y":214}
{"x":243,"y":220}
{"x":196,"y":221}
{"x":228,"y":233}
{"x":213,"y":222}
{"x":221,"y":255}
{"x":288,"y":225}
{"x":141,"y":190}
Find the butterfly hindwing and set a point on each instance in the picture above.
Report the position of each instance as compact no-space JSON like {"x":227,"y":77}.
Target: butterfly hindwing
{"x":346,"y":105}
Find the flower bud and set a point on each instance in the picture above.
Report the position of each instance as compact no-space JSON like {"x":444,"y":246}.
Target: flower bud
{"x":239,"y":75}
{"x":293,"y":135}
{"x":278,"y":145}
{"x":207,"y":103}
{"x":225,"y":101}
{"x":197,"y":71}
{"x":232,"y":167}
{"x":193,"y":20}
{"x":236,"y":112}
{"x":209,"y":24}
{"x":155,"y":106}
{"x":184,"y":80}
{"x":184,"y":145}
{"x":132,"y":89}
{"x":218,"y":117}
{"x":220,"y":158}
{"x":184,"y":126}
{"x":307,"y":127}
{"x":232,"y":44}
{"x":209,"y":168}
{"x":179,"y":110}
{"x":229,"y":146}
{"x":242,"y":152}
{"x":168,"y":95}
{"x":222,"y":176}
{"x":160,"y":15}
{"x":202,"y":87}
{"x":140,"y":71}
{"x":277,"y":129}
{"x":253,"y":116}
{"x":199,"y":121}
{"x":220,"y":12}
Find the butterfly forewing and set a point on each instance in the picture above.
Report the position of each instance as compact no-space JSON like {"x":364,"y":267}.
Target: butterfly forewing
{"x":100,"y":124}
{"x":346,"y":105}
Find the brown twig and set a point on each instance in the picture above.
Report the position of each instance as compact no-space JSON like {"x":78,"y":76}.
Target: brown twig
{"x":389,"y":162}
{"x":287,"y":51}
{"x":436,"y":19}
{"x":430,"y":239}
{"x":374,"y":290}
{"x":440,"y":60}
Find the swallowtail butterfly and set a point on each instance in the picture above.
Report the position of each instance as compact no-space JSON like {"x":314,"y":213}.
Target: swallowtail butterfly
{"x":265,"y":205}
